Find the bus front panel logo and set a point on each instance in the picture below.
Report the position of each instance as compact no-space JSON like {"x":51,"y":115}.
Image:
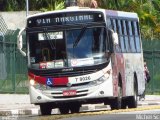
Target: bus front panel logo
{"x":49,"y":81}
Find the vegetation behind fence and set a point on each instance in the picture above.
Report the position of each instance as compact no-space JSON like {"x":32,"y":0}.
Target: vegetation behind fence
{"x":152,"y":56}
{"x":13,"y":69}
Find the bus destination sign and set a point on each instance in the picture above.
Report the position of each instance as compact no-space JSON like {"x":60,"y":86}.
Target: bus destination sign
{"x":64,"y":19}
{"x":80,"y":18}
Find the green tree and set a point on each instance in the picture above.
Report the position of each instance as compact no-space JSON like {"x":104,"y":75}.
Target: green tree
{"x":148,"y":12}
{"x":18,"y":5}
{"x":53,"y":5}
{"x":149,"y":18}
{"x":8,"y":5}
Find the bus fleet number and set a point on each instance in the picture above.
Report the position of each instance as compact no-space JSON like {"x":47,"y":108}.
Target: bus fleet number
{"x":81,"y":79}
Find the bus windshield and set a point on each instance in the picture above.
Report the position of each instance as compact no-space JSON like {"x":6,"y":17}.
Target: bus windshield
{"x":68,"y":48}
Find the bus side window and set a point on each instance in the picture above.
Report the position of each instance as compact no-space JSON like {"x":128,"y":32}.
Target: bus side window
{"x":118,"y":32}
{"x":131,"y":37}
{"x":126,"y":34}
{"x":137,"y":37}
{"x":123,"y":34}
{"x":133,"y":30}
{"x":121,"y":37}
{"x":113,"y":22}
{"x":115,"y":27}
{"x":110,"y":41}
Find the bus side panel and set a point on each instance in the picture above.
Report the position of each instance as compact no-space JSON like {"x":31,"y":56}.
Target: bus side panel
{"x":133,"y":64}
{"x":121,"y":71}
{"x":118,"y":72}
{"x":114,"y":74}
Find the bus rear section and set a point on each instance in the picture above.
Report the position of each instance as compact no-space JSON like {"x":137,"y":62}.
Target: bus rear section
{"x":127,"y":60}
{"x":71,"y":61}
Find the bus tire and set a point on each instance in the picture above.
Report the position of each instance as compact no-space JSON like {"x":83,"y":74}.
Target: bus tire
{"x":45,"y":109}
{"x":117,"y":102}
{"x":75,"y":109}
{"x":124,"y":105}
{"x":132,"y":100}
{"x":64,"y":109}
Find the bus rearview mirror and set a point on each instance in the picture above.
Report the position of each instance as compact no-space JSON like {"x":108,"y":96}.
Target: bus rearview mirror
{"x":20,"y":42}
{"x":115,"y":38}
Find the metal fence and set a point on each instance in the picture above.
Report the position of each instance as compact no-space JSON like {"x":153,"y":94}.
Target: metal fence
{"x":153,"y":63}
{"x":152,"y":57}
{"x":13,"y":68}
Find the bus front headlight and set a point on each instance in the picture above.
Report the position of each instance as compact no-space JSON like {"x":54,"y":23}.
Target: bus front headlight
{"x":37,"y":85}
{"x":98,"y":81}
{"x":32,"y":82}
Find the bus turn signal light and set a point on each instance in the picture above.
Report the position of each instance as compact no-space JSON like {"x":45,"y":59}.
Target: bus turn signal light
{"x":32,"y":82}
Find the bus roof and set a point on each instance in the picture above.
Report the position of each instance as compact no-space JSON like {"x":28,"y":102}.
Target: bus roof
{"x":114,"y":13}
{"x":69,"y":9}
{"x":111,"y":13}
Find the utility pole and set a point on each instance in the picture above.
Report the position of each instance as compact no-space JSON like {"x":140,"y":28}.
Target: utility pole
{"x":27,"y":7}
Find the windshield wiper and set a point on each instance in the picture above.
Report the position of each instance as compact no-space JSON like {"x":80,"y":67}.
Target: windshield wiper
{"x":48,"y":38}
{"x":79,"y":37}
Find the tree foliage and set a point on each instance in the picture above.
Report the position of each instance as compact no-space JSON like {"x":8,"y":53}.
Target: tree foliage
{"x":19,"y":5}
{"x":148,"y":10}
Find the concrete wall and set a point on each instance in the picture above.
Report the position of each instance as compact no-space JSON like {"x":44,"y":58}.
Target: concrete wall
{"x":15,"y":20}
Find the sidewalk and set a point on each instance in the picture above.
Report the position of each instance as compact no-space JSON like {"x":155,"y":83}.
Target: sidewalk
{"x":17,"y":104}
{"x":14,"y":104}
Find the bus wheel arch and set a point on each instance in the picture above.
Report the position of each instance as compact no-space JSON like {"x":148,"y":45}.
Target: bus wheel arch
{"x":120,"y":88}
{"x":132,"y":100}
{"x":123,"y":100}
{"x":117,"y":101}
{"x":135,"y":81}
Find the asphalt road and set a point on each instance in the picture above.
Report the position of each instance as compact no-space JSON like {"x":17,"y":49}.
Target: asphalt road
{"x":138,"y":115}
{"x":153,"y":114}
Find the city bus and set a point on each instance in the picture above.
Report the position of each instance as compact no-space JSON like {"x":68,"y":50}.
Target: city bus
{"x":82,"y":56}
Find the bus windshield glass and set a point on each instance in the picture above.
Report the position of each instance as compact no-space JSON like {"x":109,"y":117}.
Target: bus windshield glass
{"x":68,"y":48}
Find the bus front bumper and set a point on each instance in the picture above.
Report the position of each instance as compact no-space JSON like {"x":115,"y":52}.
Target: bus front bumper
{"x":82,"y":94}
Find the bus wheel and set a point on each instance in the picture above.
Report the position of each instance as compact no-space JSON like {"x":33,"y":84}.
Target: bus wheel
{"x":64,"y":109}
{"x":45,"y":109}
{"x":75,"y":108}
{"x":117,"y":102}
{"x":123,"y":104}
{"x":132,"y":100}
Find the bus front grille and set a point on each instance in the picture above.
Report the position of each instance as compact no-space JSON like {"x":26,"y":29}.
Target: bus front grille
{"x":68,"y":72}
{"x":65,"y":74}
{"x":61,"y":97}
{"x":59,"y":94}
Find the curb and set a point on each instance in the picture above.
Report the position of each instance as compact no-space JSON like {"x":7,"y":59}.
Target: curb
{"x":148,"y":103}
{"x":90,"y":107}
{"x":34,"y":111}
{"x":157,"y":103}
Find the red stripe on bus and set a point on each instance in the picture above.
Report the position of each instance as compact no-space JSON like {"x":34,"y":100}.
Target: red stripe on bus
{"x":38,"y":79}
{"x":60,"y":81}
{"x":42,"y":80}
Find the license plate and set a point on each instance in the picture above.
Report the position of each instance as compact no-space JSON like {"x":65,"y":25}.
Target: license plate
{"x":69,"y":93}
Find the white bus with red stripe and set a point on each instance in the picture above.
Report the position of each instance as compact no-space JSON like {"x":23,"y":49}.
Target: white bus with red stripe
{"x":79,"y":56}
